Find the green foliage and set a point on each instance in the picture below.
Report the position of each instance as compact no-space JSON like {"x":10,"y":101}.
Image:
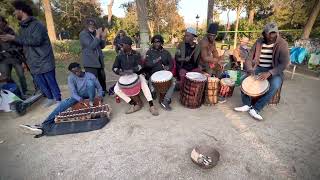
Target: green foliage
{"x":70,"y":15}
{"x":66,"y":50}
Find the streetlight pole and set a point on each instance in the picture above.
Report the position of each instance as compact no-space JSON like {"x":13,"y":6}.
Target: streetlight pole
{"x":197,"y":20}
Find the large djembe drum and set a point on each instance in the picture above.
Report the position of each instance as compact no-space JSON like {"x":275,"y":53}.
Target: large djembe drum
{"x":130,"y":84}
{"x":162,"y":81}
{"x":192,"y":93}
{"x":254,"y":88}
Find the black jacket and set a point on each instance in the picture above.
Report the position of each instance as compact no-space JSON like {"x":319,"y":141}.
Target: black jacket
{"x":154,"y":63}
{"x":10,"y":52}
{"x":130,"y":62}
{"x":33,"y":36}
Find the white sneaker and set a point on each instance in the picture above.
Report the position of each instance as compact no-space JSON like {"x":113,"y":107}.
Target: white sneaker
{"x":34,"y":130}
{"x":244,"y":108}
{"x":253,"y":113}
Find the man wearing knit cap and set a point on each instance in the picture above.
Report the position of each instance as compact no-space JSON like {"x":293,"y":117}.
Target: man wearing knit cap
{"x":128,"y":62}
{"x":268,"y":58}
{"x":210,"y":58}
{"x":187,"y":55}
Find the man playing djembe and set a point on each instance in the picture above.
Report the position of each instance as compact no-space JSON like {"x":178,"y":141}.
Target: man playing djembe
{"x":268,"y":59}
{"x":210,"y":59}
{"x":157,"y":59}
{"x":187,"y":55}
{"x":82,"y":85}
{"x":128,"y":62}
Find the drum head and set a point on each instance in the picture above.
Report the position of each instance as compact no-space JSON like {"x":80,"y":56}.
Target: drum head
{"x":128,"y":79}
{"x":195,"y":76}
{"x":227,"y":81}
{"x":161,"y":76}
{"x":253,"y":87}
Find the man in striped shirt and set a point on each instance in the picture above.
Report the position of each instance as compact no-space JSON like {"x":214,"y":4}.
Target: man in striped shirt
{"x":268,"y":59}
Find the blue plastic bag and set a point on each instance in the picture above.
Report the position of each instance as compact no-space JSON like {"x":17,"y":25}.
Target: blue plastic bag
{"x":298,"y":54}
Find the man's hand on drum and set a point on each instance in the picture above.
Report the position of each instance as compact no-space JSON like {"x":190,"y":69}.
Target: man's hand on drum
{"x":264,"y":76}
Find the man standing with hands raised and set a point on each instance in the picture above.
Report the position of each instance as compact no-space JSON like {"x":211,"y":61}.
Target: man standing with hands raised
{"x":92,"y":42}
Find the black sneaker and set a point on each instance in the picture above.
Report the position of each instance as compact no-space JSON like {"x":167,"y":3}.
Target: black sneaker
{"x":165,"y":105}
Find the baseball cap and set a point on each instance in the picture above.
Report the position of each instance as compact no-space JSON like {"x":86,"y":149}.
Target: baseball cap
{"x":192,"y":31}
{"x":271,"y":27}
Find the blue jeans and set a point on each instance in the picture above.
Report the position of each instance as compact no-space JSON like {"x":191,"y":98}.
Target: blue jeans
{"x":48,"y":84}
{"x":89,"y":92}
{"x":64,"y":105}
{"x":275,"y":84}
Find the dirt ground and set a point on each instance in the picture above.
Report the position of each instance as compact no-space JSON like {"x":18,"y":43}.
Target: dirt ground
{"x":139,"y":146}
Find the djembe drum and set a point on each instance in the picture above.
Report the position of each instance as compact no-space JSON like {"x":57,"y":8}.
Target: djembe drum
{"x":212,"y":91}
{"x":130,"y":84}
{"x":254,"y":88}
{"x":193,"y":88}
{"x":226,"y":87}
{"x":162,"y":81}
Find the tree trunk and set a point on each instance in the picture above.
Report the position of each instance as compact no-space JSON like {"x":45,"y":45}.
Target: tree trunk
{"x":312,"y":18}
{"x":151,"y":27}
{"x":49,"y":20}
{"x":237,"y":26}
{"x":251,"y":16}
{"x":143,"y":25}
{"x":210,"y":12}
{"x":110,"y":12}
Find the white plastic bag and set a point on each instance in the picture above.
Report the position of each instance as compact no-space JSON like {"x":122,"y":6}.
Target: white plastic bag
{"x":7,"y":97}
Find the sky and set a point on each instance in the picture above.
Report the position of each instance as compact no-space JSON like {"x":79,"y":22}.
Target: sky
{"x":187,"y":8}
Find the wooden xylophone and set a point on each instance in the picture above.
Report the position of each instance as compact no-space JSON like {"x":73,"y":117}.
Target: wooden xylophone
{"x":88,"y":113}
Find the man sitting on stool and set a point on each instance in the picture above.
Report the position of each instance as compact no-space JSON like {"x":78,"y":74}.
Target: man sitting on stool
{"x":128,"y":62}
{"x":82,"y":85}
{"x":268,"y":59}
{"x":157,"y":59}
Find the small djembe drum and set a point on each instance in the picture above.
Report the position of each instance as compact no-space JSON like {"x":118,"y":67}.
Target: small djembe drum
{"x":162,"y":81}
{"x":254,"y":88}
{"x":192,"y":93}
{"x":226,"y":87}
{"x":212,"y":91}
